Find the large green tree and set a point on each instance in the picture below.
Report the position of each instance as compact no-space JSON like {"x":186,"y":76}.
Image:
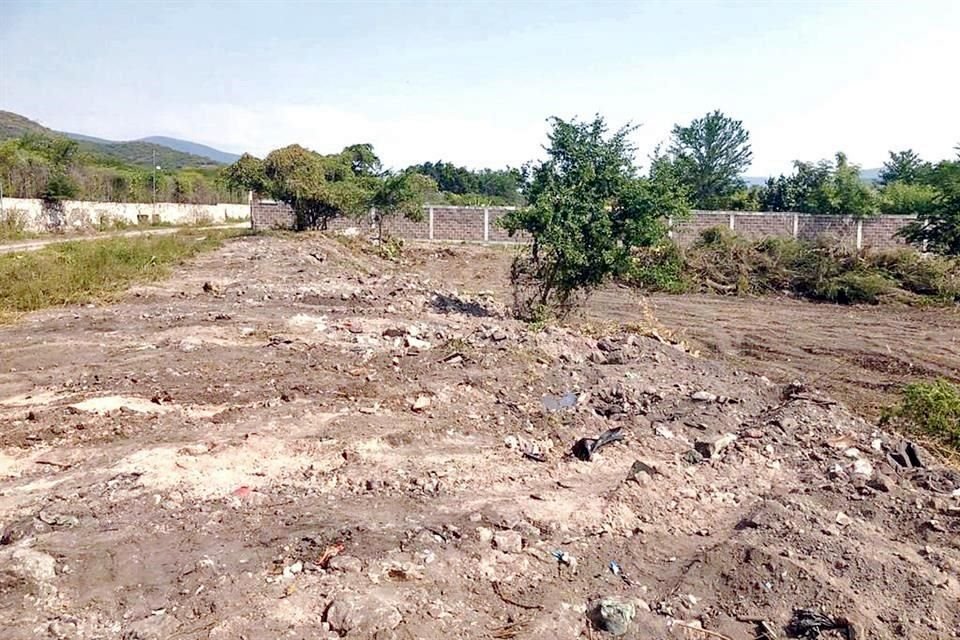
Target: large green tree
{"x":904,"y":166}
{"x":588,"y":208}
{"x":321,"y":187}
{"x":711,"y":153}
{"x":821,"y":187}
{"x":938,"y":229}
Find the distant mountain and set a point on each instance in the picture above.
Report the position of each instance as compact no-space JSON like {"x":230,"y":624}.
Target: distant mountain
{"x":194,"y":148}
{"x":138,"y":152}
{"x":14,"y":125}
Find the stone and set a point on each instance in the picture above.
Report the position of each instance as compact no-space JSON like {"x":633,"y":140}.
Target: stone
{"x":21,"y":529}
{"x":345,"y":564}
{"x":484,"y":534}
{"x":508,"y":541}
{"x":843,"y":519}
{"x":362,"y":616}
{"x":703,"y":396}
{"x":416,"y":343}
{"x":711,"y":447}
{"x":613,"y":615}
{"x":692,"y":456}
{"x":421,"y":402}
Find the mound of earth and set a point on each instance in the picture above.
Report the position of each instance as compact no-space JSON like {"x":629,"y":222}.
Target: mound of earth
{"x":291,"y":438}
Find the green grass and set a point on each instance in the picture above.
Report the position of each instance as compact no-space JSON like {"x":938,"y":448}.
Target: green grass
{"x":84,"y":271}
{"x":931,"y":409}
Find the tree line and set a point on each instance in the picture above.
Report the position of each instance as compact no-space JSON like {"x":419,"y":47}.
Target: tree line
{"x":38,"y":165}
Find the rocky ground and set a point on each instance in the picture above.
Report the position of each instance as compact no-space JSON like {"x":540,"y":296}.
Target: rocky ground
{"x":292,"y":438}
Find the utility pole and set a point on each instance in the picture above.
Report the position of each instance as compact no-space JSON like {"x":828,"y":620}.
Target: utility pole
{"x":154,"y":179}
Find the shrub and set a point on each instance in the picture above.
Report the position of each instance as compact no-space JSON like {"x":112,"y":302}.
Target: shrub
{"x":933,"y":408}
{"x":721,"y":262}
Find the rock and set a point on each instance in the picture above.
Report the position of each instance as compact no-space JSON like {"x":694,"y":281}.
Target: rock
{"x":843,"y":519}
{"x":421,"y":402}
{"x":612,"y":614}
{"x":485,"y":534}
{"x":880,"y":482}
{"x":362,"y":615}
{"x":58,"y":519}
{"x":36,"y":569}
{"x":190,"y":344}
{"x":25,"y":528}
{"x":345,"y":564}
{"x":712,"y":446}
{"x":416,"y":343}
{"x":508,"y":541}
{"x":692,"y":456}
{"x":394,"y":332}
{"x":640,"y":471}
{"x":862,"y":467}
{"x":63,"y":628}
{"x":703,"y":396}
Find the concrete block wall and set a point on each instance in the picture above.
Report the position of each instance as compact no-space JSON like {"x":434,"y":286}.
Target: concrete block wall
{"x":479,"y":224}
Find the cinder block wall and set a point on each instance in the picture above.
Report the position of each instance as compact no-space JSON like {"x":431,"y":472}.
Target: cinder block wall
{"x":479,"y":224}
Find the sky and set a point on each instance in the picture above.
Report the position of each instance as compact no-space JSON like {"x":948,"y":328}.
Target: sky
{"x":475,"y":82}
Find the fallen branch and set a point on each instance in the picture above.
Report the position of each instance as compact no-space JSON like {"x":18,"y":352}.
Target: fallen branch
{"x":703,"y":631}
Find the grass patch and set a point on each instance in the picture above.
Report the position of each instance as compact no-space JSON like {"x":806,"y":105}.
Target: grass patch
{"x":83,"y":271}
{"x":722,"y":262}
{"x":931,"y":409}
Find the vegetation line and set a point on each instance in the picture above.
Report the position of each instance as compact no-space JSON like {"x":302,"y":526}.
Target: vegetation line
{"x":84,"y":271}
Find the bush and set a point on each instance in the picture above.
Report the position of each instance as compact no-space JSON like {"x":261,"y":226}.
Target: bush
{"x":933,"y":408}
{"x":900,"y":198}
{"x":721,"y":262}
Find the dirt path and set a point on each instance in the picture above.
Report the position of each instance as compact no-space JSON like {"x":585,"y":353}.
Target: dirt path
{"x":34,"y":245}
{"x":320,"y":444}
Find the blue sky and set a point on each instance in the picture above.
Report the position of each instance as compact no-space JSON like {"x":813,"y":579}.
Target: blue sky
{"x":474,"y":82}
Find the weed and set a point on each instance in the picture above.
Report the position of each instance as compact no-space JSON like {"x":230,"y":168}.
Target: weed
{"x":932,"y":408}
{"x":81,"y":271}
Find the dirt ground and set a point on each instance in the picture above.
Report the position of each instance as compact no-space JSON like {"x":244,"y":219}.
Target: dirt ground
{"x":291,"y":438}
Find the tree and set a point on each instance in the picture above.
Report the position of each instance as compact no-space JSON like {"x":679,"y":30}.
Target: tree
{"x":401,"y":194}
{"x":821,"y":187}
{"x":317,"y":187}
{"x":588,"y":209}
{"x":903,"y":166}
{"x":938,"y":229}
{"x":711,"y":153}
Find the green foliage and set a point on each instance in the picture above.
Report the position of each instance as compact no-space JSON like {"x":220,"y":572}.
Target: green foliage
{"x":38,"y":165}
{"x":932,"y":408}
{"x":659,"y":268}
{"x":318,"y":187}
{"x":401,"y":194}
{"x":722,"y":262}
{"x":938,"y":229}
{"x":710,"y":154}
{"x":905,"y":167}
{"x":907,"y":198}
{"x":588,"y":209}
{"x":822,"y":187}
{"x":459,"y":185}
{"x":76,"y":272}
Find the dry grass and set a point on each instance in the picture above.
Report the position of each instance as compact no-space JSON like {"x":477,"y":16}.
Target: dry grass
{"x":83,"y":271}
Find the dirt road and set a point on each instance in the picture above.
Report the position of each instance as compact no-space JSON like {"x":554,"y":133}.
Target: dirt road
{"x":322,"y":444}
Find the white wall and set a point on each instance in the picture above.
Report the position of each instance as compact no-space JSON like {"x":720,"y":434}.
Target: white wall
{"x":79,"y":215}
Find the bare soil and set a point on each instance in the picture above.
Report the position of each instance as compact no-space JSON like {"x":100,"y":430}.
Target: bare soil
{"x":291,"y":438}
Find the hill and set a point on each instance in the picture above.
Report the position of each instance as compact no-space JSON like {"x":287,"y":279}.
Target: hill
{"x":194,"y":148}
{"x":137,"y":152}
